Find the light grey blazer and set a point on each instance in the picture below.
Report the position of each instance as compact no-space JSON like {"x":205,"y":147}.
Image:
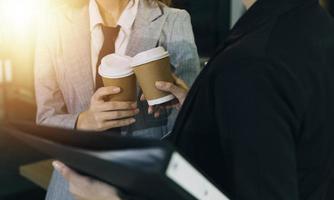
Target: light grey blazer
{"x":63,"y":74}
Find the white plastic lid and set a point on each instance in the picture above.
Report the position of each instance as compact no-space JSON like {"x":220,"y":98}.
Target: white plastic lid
{"x":149,"y":56}
{"x":115,"y":66}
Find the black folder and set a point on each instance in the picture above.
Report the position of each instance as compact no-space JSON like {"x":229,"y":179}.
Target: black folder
{"x":149,"y":169}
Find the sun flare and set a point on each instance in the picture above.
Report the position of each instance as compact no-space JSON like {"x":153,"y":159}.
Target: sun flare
{"x":18,"y":16}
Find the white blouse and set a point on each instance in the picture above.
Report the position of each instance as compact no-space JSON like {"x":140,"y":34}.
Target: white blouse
{"x":125,"y":22}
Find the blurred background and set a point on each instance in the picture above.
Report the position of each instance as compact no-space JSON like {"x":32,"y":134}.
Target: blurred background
{"x":211,"y":20}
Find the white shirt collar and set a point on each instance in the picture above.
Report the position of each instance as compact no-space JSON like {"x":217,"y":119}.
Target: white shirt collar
{"x":125,"y":21}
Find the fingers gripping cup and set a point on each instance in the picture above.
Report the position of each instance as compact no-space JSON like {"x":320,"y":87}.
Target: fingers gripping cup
{"x":115,"y":70}
{"x":152,"y":66}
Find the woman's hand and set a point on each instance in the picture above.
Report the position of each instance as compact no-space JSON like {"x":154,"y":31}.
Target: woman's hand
{"x":179,"y":90}
{"x":85,"y":188}
{"x":103,"y":115}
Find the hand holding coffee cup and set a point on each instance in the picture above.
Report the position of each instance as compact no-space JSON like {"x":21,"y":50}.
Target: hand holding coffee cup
{"x":120,"y":91}
{"x":152,"y":66}
{"x":179,"y":90}
{"x":103,"y":115}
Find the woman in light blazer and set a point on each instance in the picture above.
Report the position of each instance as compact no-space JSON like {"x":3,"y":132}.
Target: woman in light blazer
{"x":66,"y":56}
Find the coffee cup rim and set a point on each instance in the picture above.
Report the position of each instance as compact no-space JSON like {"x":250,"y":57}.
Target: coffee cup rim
{"x":161,"y":100}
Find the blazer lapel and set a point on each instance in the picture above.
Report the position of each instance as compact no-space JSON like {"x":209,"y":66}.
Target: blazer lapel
{"x":147,"y":28}
{"x":76,"y":47}
{"x":77,"y":52}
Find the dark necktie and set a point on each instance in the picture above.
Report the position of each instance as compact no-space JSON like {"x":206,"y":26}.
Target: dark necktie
{"x":110,"y":35}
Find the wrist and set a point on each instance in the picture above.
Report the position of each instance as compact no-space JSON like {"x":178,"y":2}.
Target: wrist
{"x":80,"y":119}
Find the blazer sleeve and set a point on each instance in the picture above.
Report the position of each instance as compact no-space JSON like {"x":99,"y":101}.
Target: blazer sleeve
{"x":183,"y":53}
{"x":182,"y":48}
{"x":51,"y":107}
{"x":258,"y":107}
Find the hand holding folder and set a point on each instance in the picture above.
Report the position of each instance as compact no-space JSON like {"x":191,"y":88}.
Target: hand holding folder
{"x":145,"y":168}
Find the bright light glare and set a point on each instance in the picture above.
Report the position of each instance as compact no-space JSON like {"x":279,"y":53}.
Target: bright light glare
{"x":19,"y":15}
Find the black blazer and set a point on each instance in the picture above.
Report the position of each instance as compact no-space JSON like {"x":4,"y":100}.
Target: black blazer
{"x":259,"y":120}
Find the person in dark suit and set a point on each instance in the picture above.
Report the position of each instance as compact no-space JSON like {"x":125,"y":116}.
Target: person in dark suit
{"x":267,"y":129}
{"x":259,"y":118}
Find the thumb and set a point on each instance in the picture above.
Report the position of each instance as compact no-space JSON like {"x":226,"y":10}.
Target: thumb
{"x":105,"y":91}
{"x":61,"y":168}
{"x":65,"y":171}
{"x":179,"y":82}
{"x":172,"y":88}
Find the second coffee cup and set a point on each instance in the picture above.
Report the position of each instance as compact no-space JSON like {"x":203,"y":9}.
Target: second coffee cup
{"x":115,"y":70}
{"x":152,"y":66}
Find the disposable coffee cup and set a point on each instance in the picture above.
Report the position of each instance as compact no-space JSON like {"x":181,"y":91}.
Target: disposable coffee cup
{"x":152,"y":66}
{"x":115,"y":70}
